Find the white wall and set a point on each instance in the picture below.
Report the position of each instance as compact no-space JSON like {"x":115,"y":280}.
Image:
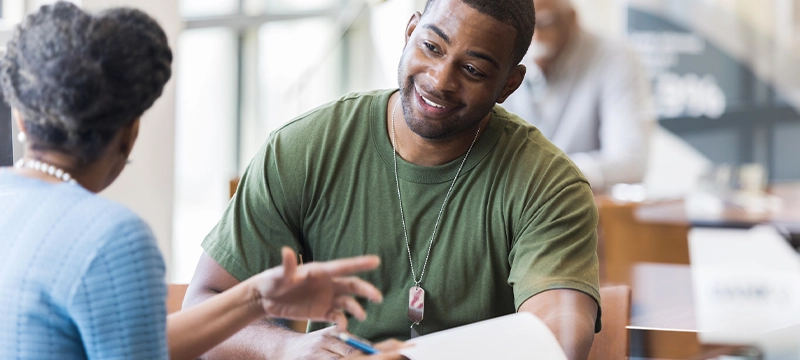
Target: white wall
{"x":147,"y":185}
{"x":606,"y":17}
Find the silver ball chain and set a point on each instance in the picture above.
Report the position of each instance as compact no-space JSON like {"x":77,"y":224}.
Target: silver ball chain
{"x":400,"y":199}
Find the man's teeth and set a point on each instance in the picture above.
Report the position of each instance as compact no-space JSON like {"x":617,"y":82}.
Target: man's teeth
{"x":431,"y":103}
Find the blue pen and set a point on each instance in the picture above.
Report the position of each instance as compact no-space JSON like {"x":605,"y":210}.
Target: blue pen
{"x":362,"y":345}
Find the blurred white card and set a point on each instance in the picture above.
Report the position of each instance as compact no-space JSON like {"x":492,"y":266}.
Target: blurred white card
{"x":746,"y":282}
{"x":518,"y":336}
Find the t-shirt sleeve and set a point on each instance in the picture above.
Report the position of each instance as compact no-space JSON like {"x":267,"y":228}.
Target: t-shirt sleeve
{"x":255,"y":225}
{"x":119,"y":304}
{"x":556,"y":247}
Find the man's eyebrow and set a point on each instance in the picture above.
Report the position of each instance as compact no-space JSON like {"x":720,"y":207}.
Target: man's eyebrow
{"x":483,"y":56}
{"x":439,"y":32}
{"x":446,"y":39}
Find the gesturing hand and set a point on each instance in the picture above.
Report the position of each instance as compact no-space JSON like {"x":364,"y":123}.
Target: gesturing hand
{"x":319,"y":291}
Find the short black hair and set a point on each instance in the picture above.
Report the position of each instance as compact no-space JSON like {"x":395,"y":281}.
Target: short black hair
{"x":77,"y":78}
{"x":517,"y":13}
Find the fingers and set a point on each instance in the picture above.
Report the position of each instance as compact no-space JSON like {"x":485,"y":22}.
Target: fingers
{"x":390,"y":345}
{"x":351,"y":306}
{"x":388,"y":350}
{"x":338,"y":318}
{"x":289,"y":262}
{"x":331,"y":345}
{"x":381,"y":356}
{"x":358,"y":287}
{"x":349,"y":266}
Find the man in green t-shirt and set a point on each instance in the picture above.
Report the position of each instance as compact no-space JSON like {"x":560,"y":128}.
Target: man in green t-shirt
{"x":473,"y":212}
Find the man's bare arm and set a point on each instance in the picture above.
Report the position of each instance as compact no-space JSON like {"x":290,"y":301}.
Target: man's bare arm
{"x":261,"y":339}
{"x":570,"y":315}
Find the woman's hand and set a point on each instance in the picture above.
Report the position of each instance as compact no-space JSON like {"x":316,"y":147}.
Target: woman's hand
{"x":319,"y":291}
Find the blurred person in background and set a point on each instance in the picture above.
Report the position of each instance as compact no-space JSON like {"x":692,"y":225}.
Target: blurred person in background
{"x":588,"y":95}
{"x":81,"y":277}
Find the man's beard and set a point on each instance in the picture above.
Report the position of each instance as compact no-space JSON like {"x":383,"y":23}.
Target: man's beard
{"x":443,"y":129}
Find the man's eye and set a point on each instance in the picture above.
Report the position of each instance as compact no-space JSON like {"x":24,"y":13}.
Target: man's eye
{"x":472,"y":70}
{"x":431,"y":47}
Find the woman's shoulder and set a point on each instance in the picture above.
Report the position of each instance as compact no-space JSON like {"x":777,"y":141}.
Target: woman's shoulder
{"x":93,"y":219}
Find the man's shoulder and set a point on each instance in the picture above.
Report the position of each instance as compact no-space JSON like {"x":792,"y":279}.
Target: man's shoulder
{"x":351,"y":106}
{"x":520,"y":132}
{"x":533,"y":151}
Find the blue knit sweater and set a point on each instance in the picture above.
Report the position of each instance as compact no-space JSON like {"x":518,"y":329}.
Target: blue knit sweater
{"x":81,"y":277}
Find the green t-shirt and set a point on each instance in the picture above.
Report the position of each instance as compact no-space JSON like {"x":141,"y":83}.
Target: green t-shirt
{"x":521,"y":218}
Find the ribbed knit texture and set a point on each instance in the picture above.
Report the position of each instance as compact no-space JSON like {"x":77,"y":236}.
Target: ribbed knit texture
{"x":81,"y":277}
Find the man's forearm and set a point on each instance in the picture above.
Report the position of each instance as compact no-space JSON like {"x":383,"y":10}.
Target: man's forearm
{"x":570,"y":315}
{"x":195,"y":330}
{"x":574,"y":333}
{"x":260,"y":340}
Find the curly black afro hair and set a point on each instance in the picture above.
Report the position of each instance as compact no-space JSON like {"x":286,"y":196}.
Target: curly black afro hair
{"x":78,"y":78}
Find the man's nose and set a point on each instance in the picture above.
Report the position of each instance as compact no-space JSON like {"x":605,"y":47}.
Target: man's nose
{"x":444,"y":77}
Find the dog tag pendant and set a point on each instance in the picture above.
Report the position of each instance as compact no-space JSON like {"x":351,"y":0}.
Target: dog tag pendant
{"x":414,"y":332}
{"x":416,"y":304}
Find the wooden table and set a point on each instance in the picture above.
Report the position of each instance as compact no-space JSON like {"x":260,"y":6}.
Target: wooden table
{"x":674,"y":212}
{"x":663,"y":325}
{"x":657,"y":231}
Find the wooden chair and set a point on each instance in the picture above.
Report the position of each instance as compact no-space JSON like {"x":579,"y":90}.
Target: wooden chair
{"x":625,"y":241}
{"x":232,"y":185}
{"x":175,"y":294}
{"x":612,"y":341}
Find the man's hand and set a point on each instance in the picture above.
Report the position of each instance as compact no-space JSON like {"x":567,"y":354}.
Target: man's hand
{"x":316,"y":345}
{"x":321,"y":291}
{"x":388,"y":350}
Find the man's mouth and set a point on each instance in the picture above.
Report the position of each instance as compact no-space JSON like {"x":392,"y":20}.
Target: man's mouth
{"x":431,"y":103}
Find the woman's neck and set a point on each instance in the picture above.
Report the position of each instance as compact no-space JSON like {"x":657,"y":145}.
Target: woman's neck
{"x":85,"y":175}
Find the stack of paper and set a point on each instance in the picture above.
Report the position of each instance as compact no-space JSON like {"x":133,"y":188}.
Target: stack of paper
{"x":519,"y":336}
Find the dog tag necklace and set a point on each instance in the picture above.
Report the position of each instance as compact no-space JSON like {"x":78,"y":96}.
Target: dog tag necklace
{"x":416,"y":295}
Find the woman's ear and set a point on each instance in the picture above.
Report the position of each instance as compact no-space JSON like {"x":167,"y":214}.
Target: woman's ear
{"x":17,"y":116}
{"x":129,"y":136}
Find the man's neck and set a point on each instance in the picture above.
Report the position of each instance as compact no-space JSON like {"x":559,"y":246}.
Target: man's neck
{"x":427,"y":152}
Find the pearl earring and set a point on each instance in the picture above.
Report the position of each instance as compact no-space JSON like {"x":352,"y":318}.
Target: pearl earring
{"x":22,"y":137}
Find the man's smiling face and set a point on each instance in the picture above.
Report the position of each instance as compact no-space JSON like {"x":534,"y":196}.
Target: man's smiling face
{"x":454,"y":68}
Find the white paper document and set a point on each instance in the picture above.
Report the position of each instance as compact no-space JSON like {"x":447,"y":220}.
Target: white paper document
{"x":747,"y":289}
{"x":518,"y":336}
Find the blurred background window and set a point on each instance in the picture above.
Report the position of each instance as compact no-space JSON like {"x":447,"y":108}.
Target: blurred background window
{"x":205,"y":144}
{"x":244,"y":68}
{"x":11,"y":12}
{"x":724,"y":76}
{"x":199,"y":8}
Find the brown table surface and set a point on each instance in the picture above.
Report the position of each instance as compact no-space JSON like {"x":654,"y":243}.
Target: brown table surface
{"x":674,"y":212}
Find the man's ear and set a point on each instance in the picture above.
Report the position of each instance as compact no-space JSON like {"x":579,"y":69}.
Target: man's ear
{"x":512,"y":83}
{"x":412,"y":24}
